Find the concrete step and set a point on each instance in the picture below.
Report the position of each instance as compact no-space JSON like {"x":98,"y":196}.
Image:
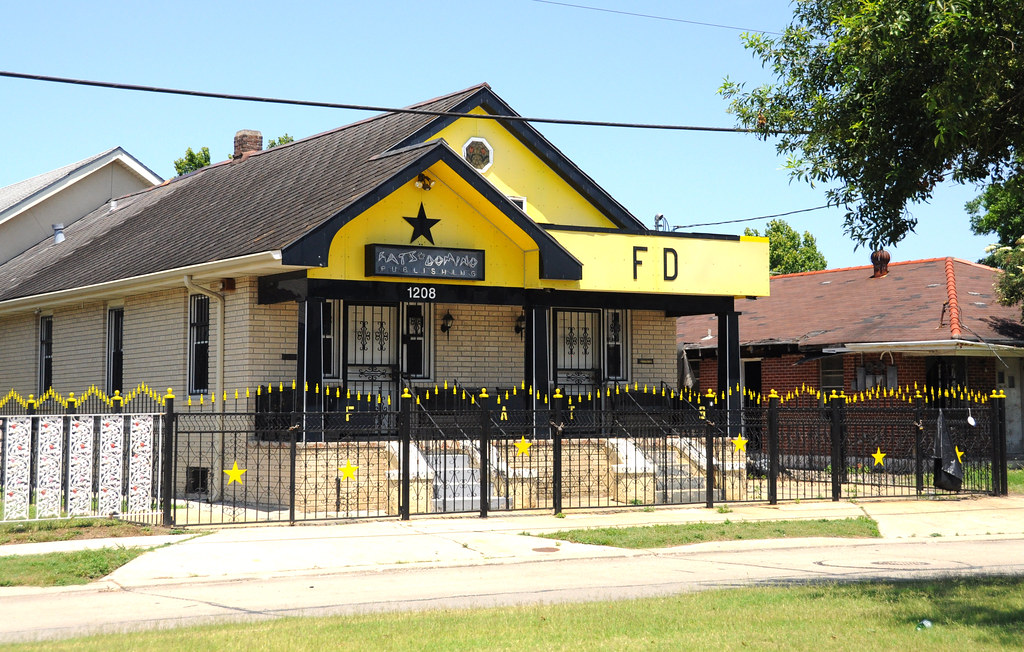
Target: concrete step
{"x":467,"y":504}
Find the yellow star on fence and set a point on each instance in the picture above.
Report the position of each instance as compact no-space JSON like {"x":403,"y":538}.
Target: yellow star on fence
{"x":740,"y":443}
{"x":348,"y":472}
{"x":523,"y":446}
{"x":235,"y":473}
{"x":959,"y":454}
{"x":879,"y":456}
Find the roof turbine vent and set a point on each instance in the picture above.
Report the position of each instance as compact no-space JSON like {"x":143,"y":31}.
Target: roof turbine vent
{"x":880,"y":261}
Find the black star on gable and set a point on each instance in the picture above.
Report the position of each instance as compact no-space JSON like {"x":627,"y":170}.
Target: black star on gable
{"x":421,"y":225}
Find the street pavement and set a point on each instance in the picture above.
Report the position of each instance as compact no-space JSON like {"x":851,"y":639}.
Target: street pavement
{"x":255,"y":573}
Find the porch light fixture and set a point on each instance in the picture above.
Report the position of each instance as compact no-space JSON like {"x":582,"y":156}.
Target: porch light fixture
{"x":446,"y":323}
{"x":423,"y":182}
{"x":520,"y":325}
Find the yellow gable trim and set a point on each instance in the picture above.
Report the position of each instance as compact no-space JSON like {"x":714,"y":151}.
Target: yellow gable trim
{"x":517,"y":172}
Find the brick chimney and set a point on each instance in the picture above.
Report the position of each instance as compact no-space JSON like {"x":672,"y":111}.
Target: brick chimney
{"x":247,"y":140}
{"x":880,"y":261}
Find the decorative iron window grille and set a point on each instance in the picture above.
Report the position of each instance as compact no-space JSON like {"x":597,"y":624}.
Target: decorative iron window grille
{"x":115,"y":350}
{"x":616,"y":344}
{"x":199,"y":344}
{"x":45,"y":353}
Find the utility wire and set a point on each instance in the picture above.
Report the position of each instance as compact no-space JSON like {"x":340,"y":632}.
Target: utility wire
{"x":674,"y":20}
{"x":751,"y":219}
{"x":365,"y":107}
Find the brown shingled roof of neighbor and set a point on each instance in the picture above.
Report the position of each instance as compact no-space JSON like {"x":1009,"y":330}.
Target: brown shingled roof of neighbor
{"x":922,"y":300}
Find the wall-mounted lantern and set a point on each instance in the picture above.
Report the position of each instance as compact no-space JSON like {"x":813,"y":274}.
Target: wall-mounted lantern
{"x":446,"y":323}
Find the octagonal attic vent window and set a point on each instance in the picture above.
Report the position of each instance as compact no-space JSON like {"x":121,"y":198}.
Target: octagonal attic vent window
{"x":479,"y":153}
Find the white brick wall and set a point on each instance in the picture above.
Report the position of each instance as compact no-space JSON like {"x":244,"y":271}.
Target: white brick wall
{"x":654,"y":337}
{"x":79,"y":347}
{"x":482,"y":348}
{"x":19,"y":354}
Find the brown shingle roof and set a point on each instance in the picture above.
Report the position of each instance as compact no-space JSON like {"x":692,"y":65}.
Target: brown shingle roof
{"x":922,"y":300}
{"x":260,"y":203}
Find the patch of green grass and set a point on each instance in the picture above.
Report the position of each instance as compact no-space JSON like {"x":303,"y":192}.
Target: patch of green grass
{"x":1015,"y":481}
{"x":966,"y":614}
{"x":663,"y":536}
{"x":63,"y":568}
{"x":75,"y":528}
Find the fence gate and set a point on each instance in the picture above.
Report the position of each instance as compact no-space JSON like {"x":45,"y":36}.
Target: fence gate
{"x":58,"y":466}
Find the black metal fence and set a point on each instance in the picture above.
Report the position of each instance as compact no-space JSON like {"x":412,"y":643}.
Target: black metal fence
{"x":485,"y":454}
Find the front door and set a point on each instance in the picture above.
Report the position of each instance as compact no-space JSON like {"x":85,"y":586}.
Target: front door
{"x":371,"y":354}
{"x":577,"y":345}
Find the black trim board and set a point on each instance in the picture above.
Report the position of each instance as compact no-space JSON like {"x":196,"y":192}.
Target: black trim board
{"x":312,"y":249}
{"x":486,"y":99}
{"x":285,"y":287}
{"x":662,"y":234}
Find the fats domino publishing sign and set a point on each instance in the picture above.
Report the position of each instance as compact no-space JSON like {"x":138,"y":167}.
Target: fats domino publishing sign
{"x":425,"y":262}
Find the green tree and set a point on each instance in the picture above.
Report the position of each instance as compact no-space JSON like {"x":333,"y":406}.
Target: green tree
{"x":281,"y":140}
{"x":192,"y":161}
{"x":882,"y":99}
{"x":788,"y":252}
{"x":999,"y":211}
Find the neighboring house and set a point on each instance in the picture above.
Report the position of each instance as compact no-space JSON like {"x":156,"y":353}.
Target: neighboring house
{"x":30,"y":209}
{"x":934,"y":323}
{"x":402,"y":249}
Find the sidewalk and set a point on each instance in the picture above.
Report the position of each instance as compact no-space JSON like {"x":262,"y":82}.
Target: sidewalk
{"x":256,"y":573}
{"x":281,"y":550}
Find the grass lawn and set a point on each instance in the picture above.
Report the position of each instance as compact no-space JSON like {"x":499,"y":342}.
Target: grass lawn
{"x":77,"y":528}
{"x":966,"y":614}
{"x":1015,"y":481}
{"x":663,"y":536}
{"x":63,"y":568}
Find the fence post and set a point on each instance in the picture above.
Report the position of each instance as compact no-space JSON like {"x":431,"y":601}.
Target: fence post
{"x":293,"y":447}
{"x":838,"y":459}
{"x":1004,"y":489}
{"x":556,"y":451}
{"x":773,"y":448}
{"x":167,"y":495}
{"x":404,"y":432}
{"x":997,"y":429}
{"x":919,"y":443}
{"x":709,"y":451}
{"x":485,"y":452}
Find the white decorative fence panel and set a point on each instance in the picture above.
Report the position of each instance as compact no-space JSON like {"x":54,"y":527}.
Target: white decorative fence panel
{"x":80,"y":465}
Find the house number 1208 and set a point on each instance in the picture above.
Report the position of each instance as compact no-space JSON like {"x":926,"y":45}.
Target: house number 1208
{"x":420,"y":292}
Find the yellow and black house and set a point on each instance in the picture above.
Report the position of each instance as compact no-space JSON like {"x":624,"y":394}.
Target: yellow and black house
{"x":446,"y":243}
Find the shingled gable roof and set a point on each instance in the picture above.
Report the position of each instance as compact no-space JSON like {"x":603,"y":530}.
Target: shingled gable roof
{"x":263,"y":202}
{"x":15,"y":197}
{"x":938,"y":299}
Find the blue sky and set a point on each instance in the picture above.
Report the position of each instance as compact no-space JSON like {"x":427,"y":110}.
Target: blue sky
{"x":545,"y":60}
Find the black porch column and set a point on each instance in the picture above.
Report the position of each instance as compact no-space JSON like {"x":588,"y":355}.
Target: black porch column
{"x":729,"y":364}
{"x":310,"y":359}
{"x":536,"y":364}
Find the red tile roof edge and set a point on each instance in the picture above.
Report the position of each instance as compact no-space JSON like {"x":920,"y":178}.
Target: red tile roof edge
{"x":953,"y":302}
{"x":902,"y":262}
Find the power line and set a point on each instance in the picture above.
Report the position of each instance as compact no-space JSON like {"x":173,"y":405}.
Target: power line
{"x":637,"y":15}
{"x":365,"y":107}
{"x":751,"y":219}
